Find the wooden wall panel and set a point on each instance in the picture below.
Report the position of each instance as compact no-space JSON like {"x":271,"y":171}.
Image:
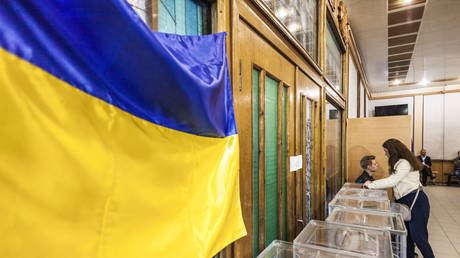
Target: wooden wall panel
{"x":333,"y":147}
{"x":447,"y":168}
{"x":443,"y":167}
{"x":366,"y":136}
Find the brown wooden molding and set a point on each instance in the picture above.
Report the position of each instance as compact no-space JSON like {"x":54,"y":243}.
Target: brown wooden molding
{"x":343,"y":21}
{"x":358,"y":96}
{"x":334,"y":94}
{"x":333,"y":20}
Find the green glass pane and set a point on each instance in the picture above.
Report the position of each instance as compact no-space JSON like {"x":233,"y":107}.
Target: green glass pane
{"x":183,"y":17}
{"x":284,"y":151}
{"x":180,"y":17}
{"x":170,"y":6}
{"x":165,"y":20}
{"x":200,"y":20}
{"x":191,"y":18}
{"x":271,"y":160}
{"x":255,"y":156}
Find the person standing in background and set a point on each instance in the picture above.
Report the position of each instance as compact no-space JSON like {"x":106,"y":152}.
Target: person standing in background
{"x":426,"y":170}
{"x":457,"y":166}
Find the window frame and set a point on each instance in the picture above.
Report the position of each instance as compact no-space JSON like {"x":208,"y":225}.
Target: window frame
{"x":342,"y":51}
{"x":268,"y":13}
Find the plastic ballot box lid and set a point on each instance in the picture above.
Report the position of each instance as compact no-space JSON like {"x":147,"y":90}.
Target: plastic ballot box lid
{"x":281,"y":249}
{"x":353,"y":185}
{"x":349,"y":239}
{"x":368,"y":204}
{"x":363,"y":193}
{"x":369,"y":219}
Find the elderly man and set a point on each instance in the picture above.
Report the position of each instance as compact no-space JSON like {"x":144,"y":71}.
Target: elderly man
{"x":426,"y":170}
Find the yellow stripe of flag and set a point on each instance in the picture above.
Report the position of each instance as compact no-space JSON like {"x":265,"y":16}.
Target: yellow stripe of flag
{"x":82,"y":178}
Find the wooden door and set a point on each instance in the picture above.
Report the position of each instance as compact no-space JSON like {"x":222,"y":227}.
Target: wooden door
{"x":308,"y":197}
{"x":265,"y":126}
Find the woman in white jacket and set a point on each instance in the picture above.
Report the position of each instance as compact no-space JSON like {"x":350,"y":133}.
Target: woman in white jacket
{"x":405,"y":180}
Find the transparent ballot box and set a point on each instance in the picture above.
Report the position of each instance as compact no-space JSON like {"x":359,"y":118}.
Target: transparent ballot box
{"x":349,"y":239}
{"x":385,"y":221}
{"x":281,"y":249}
{"x":363,"y":193}
{"x":278,"y":249}
{"x":352,"y":203}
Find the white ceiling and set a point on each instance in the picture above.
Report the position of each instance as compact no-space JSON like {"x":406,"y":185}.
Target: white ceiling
{"x":437,"y":50}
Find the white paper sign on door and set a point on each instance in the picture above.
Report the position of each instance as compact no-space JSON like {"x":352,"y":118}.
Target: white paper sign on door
{"x":295,"y":162}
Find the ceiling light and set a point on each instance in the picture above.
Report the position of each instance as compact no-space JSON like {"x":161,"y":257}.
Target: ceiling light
{"x":407,"y":1}
{"x":396,"y":82}
{"x":293,"y":27}
{"x":424,"y":82}
{"x":281,"y":13}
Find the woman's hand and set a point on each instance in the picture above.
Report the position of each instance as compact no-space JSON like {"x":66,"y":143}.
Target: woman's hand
{"x":366,"y":184}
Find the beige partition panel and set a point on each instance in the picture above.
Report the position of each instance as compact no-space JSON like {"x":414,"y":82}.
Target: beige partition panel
{"x":366,"y":136}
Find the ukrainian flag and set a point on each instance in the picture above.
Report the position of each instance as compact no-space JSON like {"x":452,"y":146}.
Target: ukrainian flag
{"x":115,"y":141}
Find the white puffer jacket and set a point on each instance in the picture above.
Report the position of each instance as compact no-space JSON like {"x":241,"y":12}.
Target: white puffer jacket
{"x":403,"y":180}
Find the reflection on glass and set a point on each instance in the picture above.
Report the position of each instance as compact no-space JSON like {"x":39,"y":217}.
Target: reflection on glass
{"x":308,"y":158}
{"x":333,"y":59}
{"x":143,"y":8}
{"x":300,"y":17}
{"x":185,"y":17}
{"x":333,"y":150}
{"x":307,"y":142}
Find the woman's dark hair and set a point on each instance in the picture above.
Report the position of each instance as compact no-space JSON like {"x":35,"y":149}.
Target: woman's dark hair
{"x":397,"y":150}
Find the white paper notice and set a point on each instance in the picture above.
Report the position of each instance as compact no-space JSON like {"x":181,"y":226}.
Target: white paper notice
{"x":295,"y":162}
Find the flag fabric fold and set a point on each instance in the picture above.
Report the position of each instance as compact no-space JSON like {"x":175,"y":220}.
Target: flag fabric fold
{"x":116,"y":141}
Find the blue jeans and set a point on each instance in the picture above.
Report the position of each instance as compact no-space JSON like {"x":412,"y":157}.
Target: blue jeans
{"x":417,"y":230}
{"x":457,"y":174}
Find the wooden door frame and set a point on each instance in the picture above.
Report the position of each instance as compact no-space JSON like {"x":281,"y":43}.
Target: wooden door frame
{"x":315,"y":161}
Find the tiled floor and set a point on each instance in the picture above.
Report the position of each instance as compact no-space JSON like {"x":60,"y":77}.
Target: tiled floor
{"x":444,"y":222}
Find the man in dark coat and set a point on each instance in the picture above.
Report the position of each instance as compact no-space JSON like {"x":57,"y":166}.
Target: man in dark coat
{"x":370,"y":166}
{"x":457,"y":166}
{"x":426,"y":170}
